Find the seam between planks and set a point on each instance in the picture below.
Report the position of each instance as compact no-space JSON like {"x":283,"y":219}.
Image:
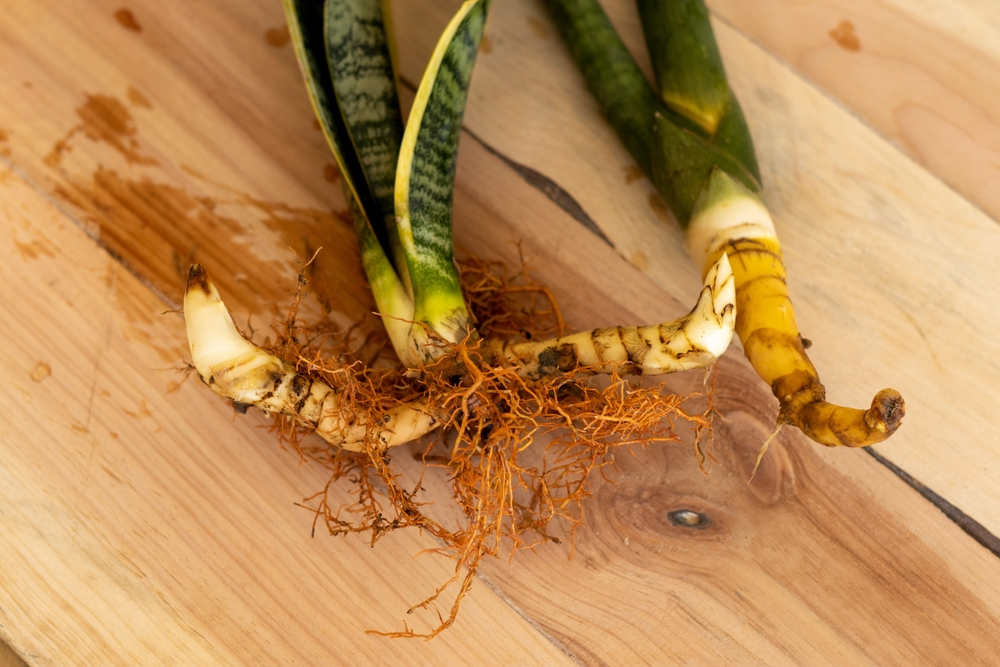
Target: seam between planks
{"x":972,"y":528}
{"x":539,"y":181}
{"x":486,"y":581}
{"x":88,"y":232}
{"x":548,"y":187}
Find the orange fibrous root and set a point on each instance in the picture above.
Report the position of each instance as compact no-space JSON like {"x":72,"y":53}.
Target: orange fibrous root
{"x":509,"y":495}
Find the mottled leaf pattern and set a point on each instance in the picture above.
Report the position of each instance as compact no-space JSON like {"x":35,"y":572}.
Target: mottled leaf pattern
{"x":364,"y":83}
{"x":306,"y":26}
{"x":399,"y":183}
{"x":426,"y":172}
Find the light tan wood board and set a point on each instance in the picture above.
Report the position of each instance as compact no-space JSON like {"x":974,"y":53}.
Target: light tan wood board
{"x":176,"y":539}
{"x":922,"y":74}
{"x":8,"y":658}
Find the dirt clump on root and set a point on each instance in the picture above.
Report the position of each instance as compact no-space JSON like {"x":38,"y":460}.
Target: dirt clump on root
{"x":509,"y":495}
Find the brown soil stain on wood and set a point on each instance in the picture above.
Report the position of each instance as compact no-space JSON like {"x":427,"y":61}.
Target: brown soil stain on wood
{"x":35,"y":249}
{"x":277,"y":37}
{"x":111,"y":473}
{"x":632,"y":174}
{"x":42,"y":370}
{"x":160,"y":228}
{"x":321,"y":233}
{"x":144,"y":411}
{"x":486,"y":44}
{"x":136,"y":97}
{"x":330,"y":173}
{"x":103,"y":119}
{"x":127,"y":20}
{"x":157,"y":229}
{"x":660,"y":207}
{"x":640,"y":260}
{"x":540,"y":28}
{"x":142,"y":221}
{"x":845,"y":37}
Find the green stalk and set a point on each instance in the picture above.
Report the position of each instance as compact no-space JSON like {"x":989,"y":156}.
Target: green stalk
{"x":709,"y":177}
{"x":669,"y":144}
{"x":627,"y":100}
{"x":686,"y":60}
{"x":682,"y":163}
{"x":691,"y":76}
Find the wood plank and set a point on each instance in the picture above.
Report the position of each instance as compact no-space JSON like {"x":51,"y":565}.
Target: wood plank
{"x":144,"y":524}
{"x":922,"y":74}
{"x":888,"y":267}
{"x":827,"y":558}
{"x":8,"y":658}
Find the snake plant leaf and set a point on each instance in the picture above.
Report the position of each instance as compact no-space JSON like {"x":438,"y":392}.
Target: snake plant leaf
{"x":691,"y":77}
{"x":361,"y":67}
{"x":682,"y":163}
{"x":306,"y":27}
{"x":426,"y":173}
{"x":666,"y":139}
{"x":686,"y":60}
{"x":621,"y":89}
{"x":392,"y":297}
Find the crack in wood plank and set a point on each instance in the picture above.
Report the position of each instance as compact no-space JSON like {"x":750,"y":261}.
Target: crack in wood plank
{"x":972,"y":528}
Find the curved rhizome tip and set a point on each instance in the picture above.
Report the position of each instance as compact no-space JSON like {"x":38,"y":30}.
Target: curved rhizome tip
{"x":889,"y":408}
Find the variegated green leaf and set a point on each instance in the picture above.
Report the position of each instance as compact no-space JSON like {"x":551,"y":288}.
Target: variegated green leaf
{"x":306,"y":27}
{"x":391,"y":297}
{"x":360,"y":61}
{"x":426,"y":173}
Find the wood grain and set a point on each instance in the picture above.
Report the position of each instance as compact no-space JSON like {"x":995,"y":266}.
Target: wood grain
{"x":922,"y":74}
{"x":8,"y":658}
{"x":145,"y":522}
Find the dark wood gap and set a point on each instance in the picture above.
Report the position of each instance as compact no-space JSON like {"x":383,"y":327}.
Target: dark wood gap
{"x":972,"y":528}
{"x":548,"y":187}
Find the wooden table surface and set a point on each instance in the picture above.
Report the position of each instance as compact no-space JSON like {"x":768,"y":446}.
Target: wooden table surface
{"x":143,"y":522}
